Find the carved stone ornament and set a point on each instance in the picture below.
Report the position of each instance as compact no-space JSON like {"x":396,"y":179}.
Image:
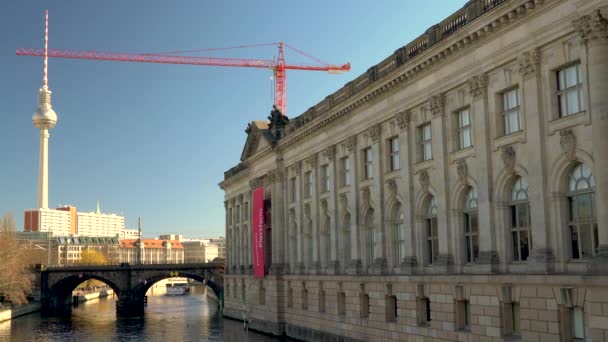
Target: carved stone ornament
{"x":324,"y":207}
{"x":423,"y":178}
{"x":366,"y":196}
{"x":478,"y":85}
{"x":312,"y":161}
{"x":593,"y":26}
{"x":529,"y":62}
{"x":374,"y":133}
{"x":274,"y":176}
{"x":392,"y":188}
{"x":436,"y":104}
{"x":256,"y":183}
{"x":568,"y":142}
{"x":350,"y":144}
{"x":330,"y":152}
{"x":462,"y":170}
{"x":343,"y":200}
{"x":296,"y":168}
{"x":403,"y":119}
{"x":508,"y":157}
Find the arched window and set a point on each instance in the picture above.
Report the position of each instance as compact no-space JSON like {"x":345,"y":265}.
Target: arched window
{"x":520,"y":220}
{"x":396,"y":223}
{"x":432,"y":236}
{"x":308,"y":243}
{"x":345,"y":238}
{"x":581,"y":205}
{"x":369,"y":237}
{"x":326,"y":241}
{"x":471,"y":229}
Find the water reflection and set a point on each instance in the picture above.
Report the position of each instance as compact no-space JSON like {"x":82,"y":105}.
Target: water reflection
{"x":177,"y":318}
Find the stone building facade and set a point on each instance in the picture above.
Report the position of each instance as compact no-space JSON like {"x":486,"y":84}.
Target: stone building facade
{"x":457,"y":190}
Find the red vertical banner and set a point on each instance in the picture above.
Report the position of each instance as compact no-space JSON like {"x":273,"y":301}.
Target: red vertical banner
{"x":258,"y":232}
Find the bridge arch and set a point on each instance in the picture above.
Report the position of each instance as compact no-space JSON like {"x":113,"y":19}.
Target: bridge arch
{"x":59,"y":294}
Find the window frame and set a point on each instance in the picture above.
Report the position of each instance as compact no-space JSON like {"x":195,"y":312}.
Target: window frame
{"x":425,"y":145}
{"x":464,"y":129}
{"x":308,"y":184}
{"x":325,"y":186}
{"x":394,"y":163}
{"x":292,"y":189}
{"x":505,"y":112}
{"x":432,"y":232}
{"x":515,"y":210}
{"x":344,"y":171}
{"x":471,"y":236}
{"x":562,"y":93}
{"x":368,"y":160}
{"x":574,"y":224}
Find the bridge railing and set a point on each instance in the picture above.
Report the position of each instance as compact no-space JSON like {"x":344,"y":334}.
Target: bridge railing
{"x":216,"y":264}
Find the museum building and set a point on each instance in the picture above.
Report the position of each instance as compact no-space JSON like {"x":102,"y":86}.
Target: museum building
{"x":457,"y":190}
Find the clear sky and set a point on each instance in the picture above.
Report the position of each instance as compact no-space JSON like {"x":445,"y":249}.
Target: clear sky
{"x":153,"y":140}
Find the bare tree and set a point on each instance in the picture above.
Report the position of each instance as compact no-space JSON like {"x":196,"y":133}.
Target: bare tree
{"x":15,"y":281}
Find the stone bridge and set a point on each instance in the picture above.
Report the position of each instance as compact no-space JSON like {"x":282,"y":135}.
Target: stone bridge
{"x":129,"y":282}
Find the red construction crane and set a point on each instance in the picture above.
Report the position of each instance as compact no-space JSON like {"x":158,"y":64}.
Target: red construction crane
{"x":278,"y":66}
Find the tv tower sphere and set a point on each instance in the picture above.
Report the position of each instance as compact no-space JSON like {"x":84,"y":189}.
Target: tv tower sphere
{"x":44,"y":117}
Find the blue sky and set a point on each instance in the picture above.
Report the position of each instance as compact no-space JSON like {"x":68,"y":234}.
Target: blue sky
{"x":153,"y":140}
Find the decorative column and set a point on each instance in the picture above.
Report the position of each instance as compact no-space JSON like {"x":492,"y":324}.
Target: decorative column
{"x":380,"y":265}
{"x":541,"y":257}
{"x":355,"y":264}
{"x":488,"y":256}
{"x":408,"y":263}
{"x":314,"y":204}
{"x":445,"y":259}
{"x":593,"y":31}
{"x":333,"y":266}
{"x":276,"y":181}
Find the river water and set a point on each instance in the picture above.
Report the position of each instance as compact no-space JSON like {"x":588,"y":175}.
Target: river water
{"x":170,"y":319}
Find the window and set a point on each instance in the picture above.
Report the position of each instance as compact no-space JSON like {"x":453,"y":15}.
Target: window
{"x":321,"y":300}
{"x":516,"y":318}
{"x":325,"y":178}
{"x":423,"y":308}
{"x":292,"y":189}
{"x":346,"y":240}
{"x":520,"y":220}
{"x":397,"y":220}
{"x":344,"y":172}
{"x":570,"y":97}
{"x":308,"y":242}
{"x":341,"y":303}
{"x":290,"y":298}
{"x":393,"y":154}
{"x":363,"y":302}
{"x":391,"y":308}
{"x":464,"y":129}
{"x":229,"y":218}
{"x":510,"y":111}
{"x":307,"y":184}
{"x":367,"y":163}
{"x":424,"y":140}
{"x":304,"y":297}
{"x":581,"y":205}
{"x":463,"y":315}
{"x":369,"y":237}
{"x":246,"y":211}
{"x":471,"y":228}
{"x":432,"y":238}
{"x":238,"y":213}
{"x":578,"y":326}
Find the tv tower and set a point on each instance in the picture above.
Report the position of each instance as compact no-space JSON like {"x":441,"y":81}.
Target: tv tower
{"x":44,"y":119}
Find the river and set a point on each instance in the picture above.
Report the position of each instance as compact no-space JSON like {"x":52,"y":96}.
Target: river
{"x":171,"y":319}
